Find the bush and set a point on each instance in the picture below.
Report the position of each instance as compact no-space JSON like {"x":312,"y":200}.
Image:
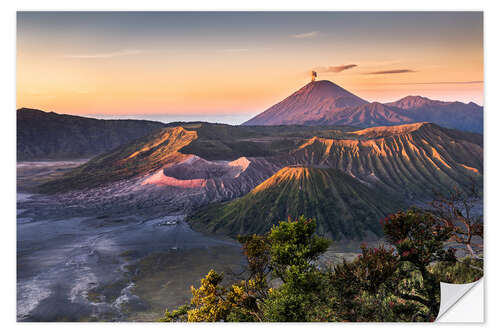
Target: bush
{"x":396,"y":283}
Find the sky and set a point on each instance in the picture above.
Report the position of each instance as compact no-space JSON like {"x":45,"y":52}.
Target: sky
{"x":229,"y":66}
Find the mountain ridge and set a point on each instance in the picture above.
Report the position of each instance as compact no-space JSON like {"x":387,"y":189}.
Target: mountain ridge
{"x":326,"y":103}
{"x":144,"y":155}
{"x":180,"y":170}
{"x":343,"y":207}
{"x":400,"y":158}
{"x":405,"y":158}
{"x":51,"y":136}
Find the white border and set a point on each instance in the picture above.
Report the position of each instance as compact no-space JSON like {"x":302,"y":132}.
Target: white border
{"x":8,"y":130}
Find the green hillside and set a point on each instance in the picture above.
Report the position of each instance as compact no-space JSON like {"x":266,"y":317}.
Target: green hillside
{"x":343,"y":206}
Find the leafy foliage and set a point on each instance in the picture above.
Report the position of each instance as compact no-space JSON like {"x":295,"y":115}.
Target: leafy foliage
{"x":294,"y":247}
{"x":466,"y":271}
{"x":419,"y":240}
{"x":396,"y":283}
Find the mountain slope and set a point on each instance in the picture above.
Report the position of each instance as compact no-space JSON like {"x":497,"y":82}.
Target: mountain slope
{"x":466,"y":117}
{"x":144,"y":155}
{"x":410,"y":159}
{"x":367,"y":115}
{"x":48,"y":135}
{"x":211,"y":142}
{"x":325,"y":103}
{"x":342,"y":206}
{"x":352,"y":175}
{"x":309,"y":104}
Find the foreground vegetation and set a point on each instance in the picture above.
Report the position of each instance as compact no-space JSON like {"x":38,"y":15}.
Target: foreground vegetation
{"x":399,"y":282}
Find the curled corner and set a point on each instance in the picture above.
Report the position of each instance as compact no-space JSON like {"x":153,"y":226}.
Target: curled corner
{"x":451,"y":295}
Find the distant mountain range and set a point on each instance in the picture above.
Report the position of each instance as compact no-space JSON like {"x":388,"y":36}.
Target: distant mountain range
{"x":325,"y":103}
{"x":321,"y":153}
{"x":48,"y":135}
{"x":346,"y":179}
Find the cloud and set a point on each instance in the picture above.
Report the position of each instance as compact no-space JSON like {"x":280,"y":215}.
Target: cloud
{"x":119,"y":53}
{"x":392,"y":71}
{"x":304,"y":35}
{"x":335,"y":69}
{"x":445,"y":82}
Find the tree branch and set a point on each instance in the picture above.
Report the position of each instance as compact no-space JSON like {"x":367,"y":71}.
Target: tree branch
{"x":414,"y":298}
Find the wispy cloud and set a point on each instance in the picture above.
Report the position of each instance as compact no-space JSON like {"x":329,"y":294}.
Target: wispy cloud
{"x":304,"y":35}
{"x":444,"y":82}
{"x":119,"y":53}
{"x":334,"y":69}
{"x":392,"y":71}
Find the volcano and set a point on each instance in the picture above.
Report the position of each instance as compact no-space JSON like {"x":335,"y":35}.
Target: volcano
{"x":326,"y":103}
{"x":309,"y":105}
{"x":343,"y":207}
{"x":345,"y":179}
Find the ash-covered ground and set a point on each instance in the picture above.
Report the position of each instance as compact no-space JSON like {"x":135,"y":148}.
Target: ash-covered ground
{"x":73,"y":268}
{"x":89,"y":261}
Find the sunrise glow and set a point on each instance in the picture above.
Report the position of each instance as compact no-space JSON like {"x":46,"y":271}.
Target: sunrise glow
{"x":233,"y":66}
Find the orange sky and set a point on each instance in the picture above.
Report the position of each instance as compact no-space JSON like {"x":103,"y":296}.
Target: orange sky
{"x":186,"y":64}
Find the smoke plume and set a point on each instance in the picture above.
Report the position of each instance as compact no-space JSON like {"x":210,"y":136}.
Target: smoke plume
{"x":335,"y":69}
{"x":314,"y":75}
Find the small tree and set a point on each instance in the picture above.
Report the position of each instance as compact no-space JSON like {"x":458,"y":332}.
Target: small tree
{"x":364,"y":289}
{"x":400,"y":283}
{"x":257,"y":250}
{"x":457,"y":210}
{"x":372,"y":268}
{"x":294,"y":250}
{"x":419,"y":237}
{"x":209,"y":300}
{"x":294,"y":247}
{"x":288,"y":252}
